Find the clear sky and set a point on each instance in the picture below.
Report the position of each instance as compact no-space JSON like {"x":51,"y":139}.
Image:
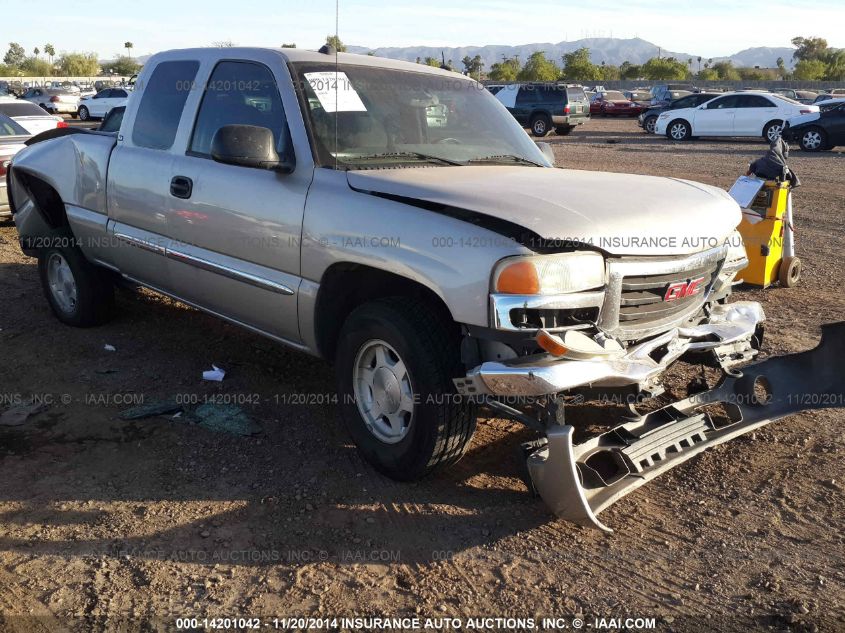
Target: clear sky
{"x":709,"y":28}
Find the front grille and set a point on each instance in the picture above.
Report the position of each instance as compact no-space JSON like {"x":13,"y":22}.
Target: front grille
{"x":642,"y":300}
{"x":636,"y":305}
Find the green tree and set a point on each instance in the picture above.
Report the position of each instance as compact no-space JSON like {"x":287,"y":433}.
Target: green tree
{"x":15,"y":55}
{"x":538,"y":68}
{"x":50,"y":51}
{"x":36,"y":51}
{"x":79,"y":64}
{"x":810,"y":70}
{"x":609,"y":72}
{"x":665,"y":68}
{"x":123,"y":65}
{"x":809,"y":47}
{"x":9,"y":71}
{"x":335,"y":43}
{"x":708,"y":74}
{"x":221,"y":44}
{"x":836,"y":65}
{"x":432,"y":61}
{"x":630,"y":71}
{"x":291,"y":45}
{"x":35,"y":67}
{"x":578,"y":67}
{"x":473,"y":66}
{"x":726,"y":71}
{"x":506,"y":70}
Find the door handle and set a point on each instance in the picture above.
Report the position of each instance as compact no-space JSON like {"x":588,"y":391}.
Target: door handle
{"x":181,"y":187}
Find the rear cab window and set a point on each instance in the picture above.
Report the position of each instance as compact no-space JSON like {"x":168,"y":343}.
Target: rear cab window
{"x":162,"y":102}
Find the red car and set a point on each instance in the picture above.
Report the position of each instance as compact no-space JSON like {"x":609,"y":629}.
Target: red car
{"x":613,"y":103}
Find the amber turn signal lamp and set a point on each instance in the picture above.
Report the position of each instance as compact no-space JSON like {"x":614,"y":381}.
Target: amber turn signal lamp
{"x":519,"y":278}
{"x":551,"y":343}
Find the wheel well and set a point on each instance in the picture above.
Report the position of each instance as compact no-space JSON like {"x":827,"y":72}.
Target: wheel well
{"x":46,"y":199}
{"x":537,"y":114}
{"x":346,"y":286}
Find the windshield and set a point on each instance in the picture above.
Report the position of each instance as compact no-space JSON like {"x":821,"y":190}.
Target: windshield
{"x":363,"y":117}
{"x":614,"y":96}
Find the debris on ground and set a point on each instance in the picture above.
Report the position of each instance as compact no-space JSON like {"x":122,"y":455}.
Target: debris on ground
{"x":19,"y":414}
{"x":226,"y":418}
{"x":150,"y":410}
{"x":215,"y":374}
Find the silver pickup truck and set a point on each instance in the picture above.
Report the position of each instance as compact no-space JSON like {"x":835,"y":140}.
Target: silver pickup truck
{"x":396,"y":220}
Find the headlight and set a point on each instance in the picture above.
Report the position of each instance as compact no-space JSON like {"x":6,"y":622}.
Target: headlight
{"x":549,"y":274}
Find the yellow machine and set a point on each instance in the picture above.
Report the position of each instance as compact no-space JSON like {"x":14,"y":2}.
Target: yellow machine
{"x":766,"y":229}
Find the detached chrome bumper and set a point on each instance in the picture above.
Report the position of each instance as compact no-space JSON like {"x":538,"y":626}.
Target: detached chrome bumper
{"x":578,"y":482}
{"x":728,"y":332}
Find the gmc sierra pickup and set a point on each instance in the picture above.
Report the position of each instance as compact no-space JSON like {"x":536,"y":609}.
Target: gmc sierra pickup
{"x":397,"y":221}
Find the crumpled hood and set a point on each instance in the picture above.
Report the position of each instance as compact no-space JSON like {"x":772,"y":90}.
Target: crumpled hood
{"x":621,"y":214}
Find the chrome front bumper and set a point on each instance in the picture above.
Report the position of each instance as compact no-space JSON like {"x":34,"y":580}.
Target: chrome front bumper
{"x":727,"y":332}
{"x":578,"y":482}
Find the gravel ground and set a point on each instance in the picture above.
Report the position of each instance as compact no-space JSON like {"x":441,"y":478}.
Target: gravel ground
{"x":106,"y":523}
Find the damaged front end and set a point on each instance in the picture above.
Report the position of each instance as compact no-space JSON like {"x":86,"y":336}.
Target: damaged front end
{"x":578,"y":482}
{"x":636,"y":332}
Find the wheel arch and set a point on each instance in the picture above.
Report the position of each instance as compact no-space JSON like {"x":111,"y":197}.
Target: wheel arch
{"x":346,"y":285}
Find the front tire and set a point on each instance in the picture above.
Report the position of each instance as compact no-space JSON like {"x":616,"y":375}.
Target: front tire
{"x":541,"y":125}
{"x":395,"y":364}
{"x":679,"y":130}
{"x":79,"y":293}
{"x":813,"y":140}
{"x":650,"y":124}
{"x":789,"y":273}
{"x":83,"y":113}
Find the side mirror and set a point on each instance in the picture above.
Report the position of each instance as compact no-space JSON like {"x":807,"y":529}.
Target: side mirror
{"x":248,"y":146}
{"x":547,"y":152}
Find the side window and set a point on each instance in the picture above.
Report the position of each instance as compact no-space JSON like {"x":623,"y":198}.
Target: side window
{"x":527,"y":96}
{"x":724,"y":102}
{"x":118,"y":94}
{"x":754,"y":101}
{"x":162,"y":103}
{"x":238,"y":93}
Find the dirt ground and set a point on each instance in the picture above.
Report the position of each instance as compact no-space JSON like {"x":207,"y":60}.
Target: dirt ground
{"x":106,"y":523}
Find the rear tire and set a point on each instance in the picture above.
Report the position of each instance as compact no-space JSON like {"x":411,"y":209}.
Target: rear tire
{"x":790,"y":272}
{"x":772,"y":130}
{"x":813,"y":140}
{"x":395,"y":364}
{"x":678,"y":130}
{"x":79,"y":293}
{"x":541,"y":125}
{"x":564,"y":130}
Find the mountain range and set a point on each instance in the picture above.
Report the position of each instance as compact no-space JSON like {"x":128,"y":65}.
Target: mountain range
{"x":602,"y":49}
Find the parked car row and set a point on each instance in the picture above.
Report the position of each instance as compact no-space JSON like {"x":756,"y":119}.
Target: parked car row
{"x":30,"y":107}
{"x":12,"y":137}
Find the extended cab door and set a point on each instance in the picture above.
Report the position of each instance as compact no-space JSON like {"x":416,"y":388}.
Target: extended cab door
{"x":716,"y":118}
{"x":239,"y":228}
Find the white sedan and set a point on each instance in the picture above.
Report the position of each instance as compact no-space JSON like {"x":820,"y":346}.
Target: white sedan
{"x":751,"y":114}
{"x":98,"y":106}
{"x":28,"y":115}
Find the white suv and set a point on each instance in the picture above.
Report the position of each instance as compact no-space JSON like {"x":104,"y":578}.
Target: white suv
{"x":751,"y":114}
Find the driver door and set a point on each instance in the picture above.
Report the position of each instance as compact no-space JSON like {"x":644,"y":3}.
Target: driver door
{"x":716,"y":118}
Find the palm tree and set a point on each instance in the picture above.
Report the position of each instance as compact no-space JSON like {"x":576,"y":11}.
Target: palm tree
{"x":36,"y":51}
{"x":50,"y":51}
{"x":128,"y":46}
{"x":699,"y":63}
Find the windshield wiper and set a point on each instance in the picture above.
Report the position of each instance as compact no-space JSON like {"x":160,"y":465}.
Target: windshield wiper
{"x":511,"y":158}
{"x":419,"y":155}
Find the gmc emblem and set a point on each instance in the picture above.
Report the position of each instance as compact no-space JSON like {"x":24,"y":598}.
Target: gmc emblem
{"x":683,"y":289}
